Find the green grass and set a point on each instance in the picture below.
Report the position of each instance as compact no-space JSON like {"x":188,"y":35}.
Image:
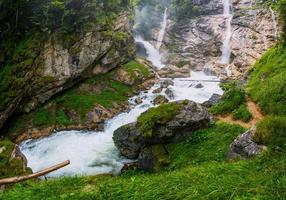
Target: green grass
{"x":242,"y":113}
{"x":233,"y":97}
{"x":198,"y":170}
{"x":133,"y":66}
{"x":267,"y":84}
{"x":62,"y":119}
{"x":157,"y":116}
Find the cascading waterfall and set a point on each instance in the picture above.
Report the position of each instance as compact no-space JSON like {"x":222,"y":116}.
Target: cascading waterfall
{"x":226,"y":48}
{"x":274,"y":22}
{"x":92,"y":152}
{"x":162,"y":31}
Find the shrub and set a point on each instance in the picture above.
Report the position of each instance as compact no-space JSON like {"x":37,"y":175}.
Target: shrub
{"x":272,"y":131}
{"x":242,"y":113}
{"x":233,"y":98}
{"x":157,"y":116}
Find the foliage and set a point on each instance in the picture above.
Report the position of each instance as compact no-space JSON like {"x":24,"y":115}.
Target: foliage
{"x":267,"y":83}
{"x":242,"y":113}
{"x":149,"y":120}
{"x":198,"y":171}
{"x":272,"y":131}
{"x":134,"y":66}
{"x":233,"y":97}
{"x":184,"y":9}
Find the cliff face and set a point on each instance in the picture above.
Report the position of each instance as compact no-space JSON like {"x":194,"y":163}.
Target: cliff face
{"x":54,"y":67}
{"x":198,"y":43}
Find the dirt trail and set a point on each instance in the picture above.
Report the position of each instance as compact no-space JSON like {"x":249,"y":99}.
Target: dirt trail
{"x":253,"y":109}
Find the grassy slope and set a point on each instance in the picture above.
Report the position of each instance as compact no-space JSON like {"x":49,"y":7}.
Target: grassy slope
{"x":198,"y":170}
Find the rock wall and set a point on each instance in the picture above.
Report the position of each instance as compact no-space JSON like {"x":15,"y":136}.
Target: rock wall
{"x":57,"y":68}
{"x":198,"y":43}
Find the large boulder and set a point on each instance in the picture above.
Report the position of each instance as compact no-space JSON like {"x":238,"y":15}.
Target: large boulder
{"x":167,"y":123}
{"x":244,"y":146}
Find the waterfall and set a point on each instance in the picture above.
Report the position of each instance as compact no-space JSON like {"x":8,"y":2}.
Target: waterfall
{"x":162,"y":31}
{"x":274,"y":22}
{"x":226,"y":49}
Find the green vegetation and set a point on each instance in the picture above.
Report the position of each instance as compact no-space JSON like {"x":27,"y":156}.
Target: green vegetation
{"x":9,"y":167}
{"x":233,"y":101}
{"x":267,"y":84}
{"x":198,"y":170}
{"x":134,"y":66}
{"x":272,"y":131}
{"x":242,"y":113}
{"x":149,"y":120}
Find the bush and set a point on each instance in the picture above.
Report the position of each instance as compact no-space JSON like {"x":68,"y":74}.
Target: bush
{"x":233,"y":98}
{"x":272,"y":131}
{"x":242,"y":113}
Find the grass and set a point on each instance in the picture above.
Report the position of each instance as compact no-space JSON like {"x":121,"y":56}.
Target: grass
{"x":234,"y":96}
{"x":242,"y":113}
{"x":267,"y":84}
{"x":157,"y":116}
{"x":198,"y":170}
{"x":272,"y":131}
{"x":134,"y":66}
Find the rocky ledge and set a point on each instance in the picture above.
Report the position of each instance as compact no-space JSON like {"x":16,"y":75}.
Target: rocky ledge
{"x":168,"y":123}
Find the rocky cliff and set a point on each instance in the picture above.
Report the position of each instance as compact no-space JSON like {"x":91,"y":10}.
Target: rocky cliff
{"x":197,"y":43}
{"x":53,"y":67}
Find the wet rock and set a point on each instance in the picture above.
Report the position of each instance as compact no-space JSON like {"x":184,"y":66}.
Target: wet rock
{"x":158,"y":90}
{"x":244,"y":146}
{"x":192,"y":116}
{"x":215,"y":99}
{"x":98,"y":114}
{"x":138,"y":100}
{"x":172,"y":71}
{"x":166,"y":83}
{"x":129,"y":166}
{"x":198,"y":86}
{"x":160,"y":100}
{"x":170,"y":93}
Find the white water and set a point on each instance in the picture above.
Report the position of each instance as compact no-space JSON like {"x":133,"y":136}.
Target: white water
{"x":94,"y":152}
{"x":226,"y":49}
{"x":163,"y":30}
{"x":153,"y":54}
{"x":274,"y":22}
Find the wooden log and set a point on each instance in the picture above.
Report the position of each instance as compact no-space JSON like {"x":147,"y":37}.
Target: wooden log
{"x":35,"y":175}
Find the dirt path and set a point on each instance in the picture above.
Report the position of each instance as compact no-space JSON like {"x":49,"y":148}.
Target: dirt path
{"x":253,"y":109}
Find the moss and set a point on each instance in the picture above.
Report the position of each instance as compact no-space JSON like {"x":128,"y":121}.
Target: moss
{"x":62,"y":119}
{"x":242,"y":113}
{"x":272,"y":131}
{"x":43,"y":118}
{"x":154,"y":117}
{"x":133,"y":66}
{"x":233,"y":97}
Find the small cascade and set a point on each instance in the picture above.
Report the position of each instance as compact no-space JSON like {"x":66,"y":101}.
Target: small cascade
{"x":226,"y":48}
{"x":274,"y":22}
{"x":162,"y":31}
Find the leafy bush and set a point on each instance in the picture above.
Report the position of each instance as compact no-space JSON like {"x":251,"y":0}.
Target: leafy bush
{"x":157,"y":116}
{"x":267,"y":84}
{"x":242,"y":113}
{"x":272,"y":131}
{"x":233,"y":98}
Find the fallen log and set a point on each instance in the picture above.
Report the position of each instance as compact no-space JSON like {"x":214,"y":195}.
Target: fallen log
{"x":35,"y":175}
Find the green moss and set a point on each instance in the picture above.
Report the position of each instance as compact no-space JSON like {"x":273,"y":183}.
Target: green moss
{"x":272,"y":131}
{"x":242,"y":113}
{"x":62,"y":119}
{"x":149,"y":120}
{"x":267,"y":84}
{"x":233,"y":97}
{"x":133,"y":66}
{"x":43,"y":118}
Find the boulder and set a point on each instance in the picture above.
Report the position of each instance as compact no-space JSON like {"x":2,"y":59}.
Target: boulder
{"x":215,"y":98}
{"x":157,"y":91}
{"x":244,"y":146}
{"x":166,"y":83}
{"x":138,"y":100}
{"x":160,"y":100}
{"x":190,"y":116}
{"x":170,"y":93}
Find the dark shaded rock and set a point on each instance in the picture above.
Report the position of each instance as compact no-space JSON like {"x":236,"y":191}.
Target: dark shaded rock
{"x":192,"y":116}
{"x":160,"y":100}
{"x":158,"y":90}
{"x":244,"y":146}
{"x":138,"y":100}
{"x":199,"y":86}
{"x":215,"y":98}
{"x":170,"y":93}
{"x":129,"y":166}
{"x":153,"y":158}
